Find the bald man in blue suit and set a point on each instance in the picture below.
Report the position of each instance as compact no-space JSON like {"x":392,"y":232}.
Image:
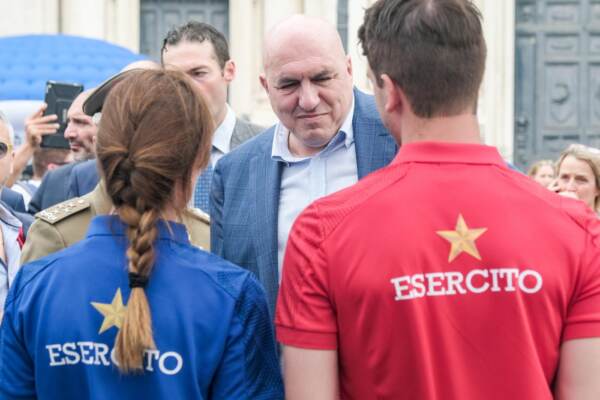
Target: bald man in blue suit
{"x":329,"y":135}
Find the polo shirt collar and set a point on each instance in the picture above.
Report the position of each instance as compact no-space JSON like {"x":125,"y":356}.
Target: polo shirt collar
{"x":222,"y":137}
{"x":111,"y":225}
{"x":444,"y":152}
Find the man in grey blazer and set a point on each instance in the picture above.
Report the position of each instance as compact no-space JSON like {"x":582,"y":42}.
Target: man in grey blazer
{"x":202,"y":52}
{"x":328,"y":137}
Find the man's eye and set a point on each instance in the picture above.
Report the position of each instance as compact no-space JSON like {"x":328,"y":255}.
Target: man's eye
{"x":287,"y":85}
{"x":322,"y":79}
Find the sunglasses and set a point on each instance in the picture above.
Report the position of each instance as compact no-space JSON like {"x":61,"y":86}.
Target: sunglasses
{"x":5,"y":148}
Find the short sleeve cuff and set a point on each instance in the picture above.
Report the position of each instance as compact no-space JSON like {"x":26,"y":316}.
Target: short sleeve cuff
{"x":582,"y":331}
{"x":306,"y":340}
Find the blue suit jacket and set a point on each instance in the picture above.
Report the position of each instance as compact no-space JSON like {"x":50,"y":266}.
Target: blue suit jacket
{"x":12,"y":199}
{"x":245,"y":194}
{"x":83,"y":179}
{"x":54,"y":189}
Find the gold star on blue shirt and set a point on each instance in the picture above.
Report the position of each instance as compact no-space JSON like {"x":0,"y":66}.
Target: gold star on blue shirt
{"x":113,"y":312}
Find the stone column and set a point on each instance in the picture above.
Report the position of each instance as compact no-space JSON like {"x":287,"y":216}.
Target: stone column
{"x":246,"y":32}
{"x":496,"y":102}
{"x":38,"y":16}
{"x":84,"y":18}
{"x":356,"y":13}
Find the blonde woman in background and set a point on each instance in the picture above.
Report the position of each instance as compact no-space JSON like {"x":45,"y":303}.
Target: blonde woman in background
{"x":578,"y":174}
{"x":543,"y":172}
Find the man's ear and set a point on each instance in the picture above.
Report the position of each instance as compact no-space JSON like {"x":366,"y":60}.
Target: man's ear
{"x":349,"y":64}
{"x":263,"y":82}
{"x":229,"y":71}
{"x":393,"y":94}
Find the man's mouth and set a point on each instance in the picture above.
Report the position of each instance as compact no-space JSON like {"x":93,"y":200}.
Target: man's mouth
{"x":311,"y":116}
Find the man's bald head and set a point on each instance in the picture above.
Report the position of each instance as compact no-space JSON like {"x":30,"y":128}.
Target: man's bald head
{"x":299,"y":33}
{"x":308,"y":79}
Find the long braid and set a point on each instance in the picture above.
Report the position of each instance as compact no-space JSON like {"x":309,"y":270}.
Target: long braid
{"x":135,"y":335}
{"x":155,"y":134}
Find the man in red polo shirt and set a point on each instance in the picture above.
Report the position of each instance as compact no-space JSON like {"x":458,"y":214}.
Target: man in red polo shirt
{"x":445,"y":275}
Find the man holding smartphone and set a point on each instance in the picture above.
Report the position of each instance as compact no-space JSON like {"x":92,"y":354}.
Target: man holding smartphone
{"x":81,"y":134}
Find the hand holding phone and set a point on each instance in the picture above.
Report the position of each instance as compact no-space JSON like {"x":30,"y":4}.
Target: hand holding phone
{"x":59,"y":97}
{"x":37,"y":125}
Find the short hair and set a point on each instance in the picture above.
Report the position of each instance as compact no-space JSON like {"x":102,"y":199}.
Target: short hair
{"x":434,"y":50}
{"x":9,"y":127}
{"x":199,"y":32}
{"x":538,"y":165}
{"x":589,"y":155}
{"x":44,"y":156}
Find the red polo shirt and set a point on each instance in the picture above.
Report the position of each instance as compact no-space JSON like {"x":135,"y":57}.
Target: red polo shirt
{"x":445,"y":275}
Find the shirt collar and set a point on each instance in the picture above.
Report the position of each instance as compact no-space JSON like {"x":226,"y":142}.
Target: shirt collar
{"x":222,"y":138}
{"x":442,"y":152}
{"x":111,"y":225}
{"x":280,"y":150}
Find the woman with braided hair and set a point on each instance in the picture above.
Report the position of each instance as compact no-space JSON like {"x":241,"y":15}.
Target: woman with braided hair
{"x":135,"y":311}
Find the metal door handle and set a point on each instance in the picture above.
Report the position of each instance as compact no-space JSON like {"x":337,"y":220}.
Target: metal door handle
{"x":522,"y":122}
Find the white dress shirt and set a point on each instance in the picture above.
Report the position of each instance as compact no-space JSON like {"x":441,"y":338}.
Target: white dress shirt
{"x":305,"y":179}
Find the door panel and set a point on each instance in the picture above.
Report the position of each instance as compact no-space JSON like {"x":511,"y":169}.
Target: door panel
{"x":557,"y":85}
{"x":157,"y":17}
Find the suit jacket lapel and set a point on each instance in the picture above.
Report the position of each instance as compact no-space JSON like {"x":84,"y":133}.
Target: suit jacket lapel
{"x":266,"y":183}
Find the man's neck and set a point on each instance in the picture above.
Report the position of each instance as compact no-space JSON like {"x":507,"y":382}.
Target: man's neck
{"x":462,"y":128}
{"x":220,"y":117}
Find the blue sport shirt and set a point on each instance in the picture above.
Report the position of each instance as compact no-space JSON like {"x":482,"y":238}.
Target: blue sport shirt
{"x":213,"y":336}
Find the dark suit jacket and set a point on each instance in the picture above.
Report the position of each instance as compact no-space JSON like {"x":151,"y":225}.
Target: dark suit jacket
{"x":85,"y":176}
{"x":13,"y":200}
{"x":83,"y":179}
{"x":245,"y":194}
{"x":54,"y":189}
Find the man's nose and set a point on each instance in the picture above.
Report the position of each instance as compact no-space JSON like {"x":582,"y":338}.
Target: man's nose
{"x":309,"y":96}
{"x":70,"y":132}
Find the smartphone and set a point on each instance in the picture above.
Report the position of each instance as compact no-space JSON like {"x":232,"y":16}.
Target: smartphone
{"x":59,"y":97}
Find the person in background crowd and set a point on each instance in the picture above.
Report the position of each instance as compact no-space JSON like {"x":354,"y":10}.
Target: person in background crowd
{"x":36,"y":126}
{"x":579,"y":175}
{"x":202,"y":52}
{"x":543,"y":172}
{"x":328,"y":136}
{"x":81,"y":133}
{"x":84,"y":176}
{"x":66,"y":223}
{"x":11,"y":237}
{"x":44,"y":159}
{"x":420,"y":282}
{"x":121,"y":297}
